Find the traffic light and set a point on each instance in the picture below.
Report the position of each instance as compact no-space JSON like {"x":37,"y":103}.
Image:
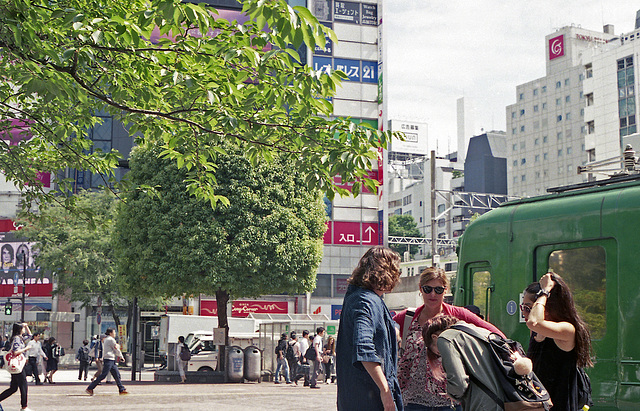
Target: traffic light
{"x":8,"y":308}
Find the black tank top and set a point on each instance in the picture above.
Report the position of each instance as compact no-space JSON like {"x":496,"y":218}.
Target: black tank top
{"x":557,"y":372}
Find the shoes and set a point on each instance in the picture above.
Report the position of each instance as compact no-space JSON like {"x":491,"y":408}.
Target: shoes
{"x":124,"y":392}
{"x":88,"y":391}
{"x":289,"y":382}
{"x":276,"y":382}
{"x":314,"y":386}
{"x":109,"y":382}
{"x":26,"y":409}
{"x":39,"y":383}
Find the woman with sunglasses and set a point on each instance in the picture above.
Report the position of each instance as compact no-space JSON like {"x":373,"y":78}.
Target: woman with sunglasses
{"x":560,"y":340}
{"x":421,"y":388}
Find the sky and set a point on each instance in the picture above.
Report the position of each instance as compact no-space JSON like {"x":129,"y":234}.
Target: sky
{"x":441,"y":50}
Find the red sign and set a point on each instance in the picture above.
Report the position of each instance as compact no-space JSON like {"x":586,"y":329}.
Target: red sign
{"x":373,"y":175}
{"x":327,"y":234}
{"x":7,"y":225}
{"x":244,"y":308}
{"x":556,"y":47}
{"x":351,"y":233}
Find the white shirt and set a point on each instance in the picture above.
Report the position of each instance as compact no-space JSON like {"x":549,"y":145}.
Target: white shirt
{"x":304,"y":345}
{"x":317,"y":344}
{"x":34,"y":349}
{"x":111,"y":350}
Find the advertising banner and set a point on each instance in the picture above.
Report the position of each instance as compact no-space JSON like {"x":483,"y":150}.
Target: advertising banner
{"x":244,"y":308}
{"x":416,"y":137}
{"x":12,"y":270}
{"x":556,"y":47}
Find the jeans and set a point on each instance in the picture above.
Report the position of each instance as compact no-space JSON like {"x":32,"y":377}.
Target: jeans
{"x":109,"y":366}
{"x":18,"y":381}
{"x":419,"y":407}
{"x":282,"y":363}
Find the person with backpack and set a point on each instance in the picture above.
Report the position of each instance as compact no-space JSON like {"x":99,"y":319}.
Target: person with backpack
{"x":53,"y":352}
{"x":183,"y":355}
{"x":83,"y":357}
{"x":560,"y":343}
{"x":293,"y":356}
{"x":416,"y":392}
{"x":281,"y":349}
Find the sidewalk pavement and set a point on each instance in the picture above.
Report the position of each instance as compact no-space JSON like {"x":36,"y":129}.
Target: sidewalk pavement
{"x":68,"y":395}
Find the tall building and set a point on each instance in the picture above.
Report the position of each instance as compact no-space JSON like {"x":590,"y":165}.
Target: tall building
{"x":546,"y":129}
{"x":465,"y":126}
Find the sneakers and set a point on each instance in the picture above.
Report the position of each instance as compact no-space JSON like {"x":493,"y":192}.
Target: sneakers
{"x":315,"y":387}
{"x":124,"y":392}
{"x":88,"y":391}
{"x":26,"y":409}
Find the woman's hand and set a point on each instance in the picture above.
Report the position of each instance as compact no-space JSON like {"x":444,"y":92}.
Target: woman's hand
{"x":387,"y":401}
{"x":546,"y":282}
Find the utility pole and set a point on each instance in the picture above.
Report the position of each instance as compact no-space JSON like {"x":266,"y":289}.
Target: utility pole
{"x":23,"y":256}
{"x":433,"y":207}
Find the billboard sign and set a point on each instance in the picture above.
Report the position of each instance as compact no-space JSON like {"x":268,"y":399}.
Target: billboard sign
{"x":556,"y":47}
{"x":369,"y":14}
{"x":355,"y":233}
{"x":12,"y":270}
{"x":244,"y":308}
{"x":416,"y":137}
{"x":346,"y":12}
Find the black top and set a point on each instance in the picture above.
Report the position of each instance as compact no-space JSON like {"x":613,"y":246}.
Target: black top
{"x":557,"y":372}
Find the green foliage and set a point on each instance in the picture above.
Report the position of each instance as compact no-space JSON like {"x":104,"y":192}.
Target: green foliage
{"x":403,"y":226}
{"x":64,"y":60}
{"x":79,"y":255}
{"x":268,"y":240}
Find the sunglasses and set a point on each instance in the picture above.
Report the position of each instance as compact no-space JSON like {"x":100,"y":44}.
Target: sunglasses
{"x":525,"y":308}
{"x":427,"y":289}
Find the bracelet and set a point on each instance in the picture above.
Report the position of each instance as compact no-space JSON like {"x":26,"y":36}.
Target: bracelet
{"x":541,"y":293}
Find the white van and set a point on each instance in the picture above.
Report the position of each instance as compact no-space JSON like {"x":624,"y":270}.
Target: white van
{"x":204,"y":355}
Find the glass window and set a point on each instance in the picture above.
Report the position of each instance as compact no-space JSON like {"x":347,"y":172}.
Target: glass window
{"x":545,"y":139}
{"x":536,"y":142}
{"x":559,"y":118}
{"x":560,"y":153}
{"x":544,"y":105}
{"x":566,"y":82}
{"x":567,"y":99}
{"x":522,"y":129}
{"x":544,"y":89}
{"x":536,"y":158}
{"x":523,"y":145}
{"x":559,"y":136}
{"x":523,"y":177}
{"x":522,"y":112}
{"x":535,"y":108}
{"x":323,"y":286}
{"x":535,"y":91}
{"x":558,"y":84}
{"x":523,"y":161}
{"x":569,"y":150}
{"x":521,"y":96}
{"x":514,"y":147}
{"x":513,"y":114}
{"x":515,"y":163}
{"x":102,"y":130}
{"x":567,"y":116}
{"x":584,"y":270}
{"x":558,"y":101}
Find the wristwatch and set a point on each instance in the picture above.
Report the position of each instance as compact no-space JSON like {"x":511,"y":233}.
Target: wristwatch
{"x":541,"y":293}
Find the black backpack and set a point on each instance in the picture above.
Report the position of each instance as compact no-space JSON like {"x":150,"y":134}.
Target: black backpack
{"x":522,"y":392}
{"x":281,"y":347}
{"x":289,"y":354}
{"x":584,"y":388}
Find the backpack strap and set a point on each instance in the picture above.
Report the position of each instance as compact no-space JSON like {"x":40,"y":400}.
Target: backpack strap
{"x":408,"y":318}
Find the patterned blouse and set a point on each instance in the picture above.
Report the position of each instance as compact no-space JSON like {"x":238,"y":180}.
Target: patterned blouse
{"x":417,"y":382}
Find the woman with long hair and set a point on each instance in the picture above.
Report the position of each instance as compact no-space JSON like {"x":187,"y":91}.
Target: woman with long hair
{"x":329,"y":366}
{"x":367,"y":347}
{"x":420,"y":388}
{"x":560,"y":340}
{"x":19,"y":337}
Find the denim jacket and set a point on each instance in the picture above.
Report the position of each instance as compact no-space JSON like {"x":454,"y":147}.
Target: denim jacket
{"x":366,"y":333}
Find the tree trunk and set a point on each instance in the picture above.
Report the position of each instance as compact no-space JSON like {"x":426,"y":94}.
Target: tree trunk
{"x":222,"y":298}
{"x":115,"y":316}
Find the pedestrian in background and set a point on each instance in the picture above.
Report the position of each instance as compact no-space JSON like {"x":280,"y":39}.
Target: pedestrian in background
{"x":367,"y":347}
{"x":316,"y":364}
{"x":83,"y":357}
{"x":54,"y":353}
{"x":111,"y":354}
{"x":19,"y":336}
{"x":328,"y":359}
{"x":304,"y":364}
{"x":183,"y":355}
{"x":281,"y":349}
{"x":293,"y":356}
{"x":34,"y":351}
{"x":96,"y":352}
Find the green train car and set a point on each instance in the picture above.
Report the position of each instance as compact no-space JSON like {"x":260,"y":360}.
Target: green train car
{"x":590,"y":235}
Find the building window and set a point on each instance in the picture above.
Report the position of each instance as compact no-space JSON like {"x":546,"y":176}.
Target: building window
{"x":580,"y":77}
{"x":559,"y":135}
{"x":567,"y":133}
{"x":581,"y":112}
{"x":535,"y":108}
{"x":523,"y":161}
{"x":545,"y":139}
{"x":536,"y":125}
{"x":569,"y":150}
{"x":567,"y":99}
{"x":591,"y":127}
{"x":560,"y":153}
{"x":537,"y":175}
{"x":395,"y":203}
{"x":581,"y":95}
{"x":545,"y":156}
{"x":626,"y":96}
{"x":589,"y":99}
{"x":515,"y":179}
{"x":559,"y":118}
{"x":566,"y":82}
{"x":560,"y":169}
{"x":569,"y":168}
{"x":522,"y":129}
{"x":558,"y":101}
{"x":406,"y":200}
{"x":535,"y":91}
{"x":523,"y":145}
{"x":544,"y":89}
{"x":536,"y":142}
{"x":513,"y":130}
{"x":583,"y":130}
{"x":515,"y":163}
{"x":558,"y":84}
{"x":521,"y":96}
{"x":523,"y":177}
{"x":589,"y":71}
{"x":514,"y":147}
{"x":521,"y":112}
{"x":513,"y":114}
{"x":536,"y":159}
{"x":544,"y":105}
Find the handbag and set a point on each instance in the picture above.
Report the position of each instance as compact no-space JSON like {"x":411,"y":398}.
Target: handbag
{"x":326,"y":359}
{"x":14,"y":363}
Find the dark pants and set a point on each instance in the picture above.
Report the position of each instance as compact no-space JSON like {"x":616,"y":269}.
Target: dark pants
{"x":17,"y":381}
{"x":110,"y":366}
{"x":293,"y":369}
{"x":33,"y":362}
{"x":84,"y":368}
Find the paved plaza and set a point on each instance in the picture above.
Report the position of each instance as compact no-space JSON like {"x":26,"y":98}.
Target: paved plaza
{"x":68,"y":394}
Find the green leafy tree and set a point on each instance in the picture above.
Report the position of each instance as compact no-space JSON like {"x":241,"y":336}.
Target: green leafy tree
{"x":403,"y":226}
{"x":145,"y":63}
{"x":267,"y":241}
{"x":79,"y":254}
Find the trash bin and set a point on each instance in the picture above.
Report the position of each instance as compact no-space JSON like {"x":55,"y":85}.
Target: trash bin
{"x":235,"y":364}
{"x":252,"y":361}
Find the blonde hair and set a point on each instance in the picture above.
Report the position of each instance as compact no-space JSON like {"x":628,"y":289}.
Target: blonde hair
{"x":434,"y":273}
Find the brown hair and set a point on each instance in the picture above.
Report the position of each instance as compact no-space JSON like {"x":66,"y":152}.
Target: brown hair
{"x":436,"y":325}
{"x":378,"y":269}
{"x":560,"y":307}
{"x":431,"y":273}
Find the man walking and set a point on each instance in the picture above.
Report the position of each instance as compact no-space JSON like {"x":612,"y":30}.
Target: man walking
{"x":304,"y":364}
{"x":34,"y":349}
{"x":111,"y":354}
{"x":280,"y":351}
{"x":293,"y":356}
{"x":83,"y":357}
{"x":316,"y":366}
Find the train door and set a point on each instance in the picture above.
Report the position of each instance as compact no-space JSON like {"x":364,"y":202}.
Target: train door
{"x":479,"y":276}
{"x":590,"y":270}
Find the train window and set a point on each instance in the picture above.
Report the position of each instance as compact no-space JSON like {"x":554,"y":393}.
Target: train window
{"x":481,"y":281}
{"x":584,"y":270}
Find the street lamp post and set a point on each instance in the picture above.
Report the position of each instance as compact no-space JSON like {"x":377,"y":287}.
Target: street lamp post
{"x":23,"y":256}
